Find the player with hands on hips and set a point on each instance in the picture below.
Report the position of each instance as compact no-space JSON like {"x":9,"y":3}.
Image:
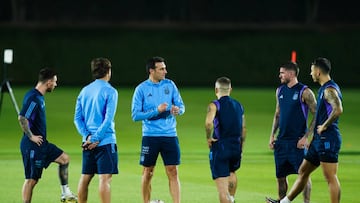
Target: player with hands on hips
{"x":325,"y":145}
{"x":37,"y":152}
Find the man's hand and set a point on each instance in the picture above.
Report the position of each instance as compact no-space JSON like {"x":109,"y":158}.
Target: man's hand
{"x":210,"y":141}
{"x":38,"y":139}
{"x":174,"y":110}
{"x":88,"y":145}
{"x":320,"y":129}
{"x":162,"y":107}
{"x":272,"y":142}
{"x":303,"y":143}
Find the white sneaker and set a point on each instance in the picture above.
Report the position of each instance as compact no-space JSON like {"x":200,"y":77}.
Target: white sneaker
{"x":156,"y":201}
{"x":69,"y":198}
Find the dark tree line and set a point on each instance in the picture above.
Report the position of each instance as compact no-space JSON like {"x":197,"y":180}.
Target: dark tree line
{"x":183,"y":11}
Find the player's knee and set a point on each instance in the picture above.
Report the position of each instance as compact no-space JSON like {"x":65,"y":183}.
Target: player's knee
{"x":148,"y":172}
{"x":171,"y":171}
{"x":304,"y":176}
{"x":65,"y":159}
{"x":31,"y":182}
{"x":304,"y":172}
{"x":330,"y":178}
{"x":105,"y":179}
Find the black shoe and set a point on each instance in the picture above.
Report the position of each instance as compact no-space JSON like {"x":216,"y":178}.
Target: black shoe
{"x":270,"y":200}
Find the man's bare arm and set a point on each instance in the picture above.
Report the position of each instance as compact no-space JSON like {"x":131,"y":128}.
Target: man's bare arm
{"x":275,"y":124}
{"x":24,"y":124}
{"x":211,"y":112}
{"x":309,"y":99}
{"x":332,"y":97}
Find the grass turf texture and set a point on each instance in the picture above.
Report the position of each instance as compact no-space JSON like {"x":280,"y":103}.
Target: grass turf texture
{"x":256,"y":178}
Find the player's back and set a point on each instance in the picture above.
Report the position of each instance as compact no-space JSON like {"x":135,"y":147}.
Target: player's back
{"x":228,"y":119}
{"x":93,"y":99}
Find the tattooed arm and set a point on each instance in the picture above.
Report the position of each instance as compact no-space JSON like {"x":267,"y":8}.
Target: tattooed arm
{"x":24,"y":124}
{"x":275,"y":124}
{"x":308,"y":98}
{"x":243,"y":132}
{"x":209,"y":125}
{"x":332,"y":97}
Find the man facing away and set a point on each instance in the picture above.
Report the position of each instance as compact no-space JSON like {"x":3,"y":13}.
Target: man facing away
{"x":293,"y":101}
{"x":37,"y":152}
{"x":94,"y":119}
{"x":325,"y":146}
{"x":225,"y":134}
{"x":156,"y":102}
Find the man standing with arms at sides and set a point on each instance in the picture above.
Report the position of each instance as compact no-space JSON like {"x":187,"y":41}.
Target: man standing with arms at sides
{"x":293,"y":101}
{"x":325,"y":146}
{"x":94,"y":119}
{"x":225,"y":134}
{"x":37,"y":152}
{"x":156,"y":102}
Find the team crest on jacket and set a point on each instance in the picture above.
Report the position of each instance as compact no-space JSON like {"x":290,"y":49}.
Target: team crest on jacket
{"x":167,"y":91}
{"x":296,"y":96}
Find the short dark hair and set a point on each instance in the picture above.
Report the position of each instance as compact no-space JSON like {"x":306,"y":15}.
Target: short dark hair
{"x":100,"y":67}
{"x":46,"y":74}
{"x":323,"y":63}
{"x":224,"y":81}
{"x":150,"y":64}
{"x":291,"y":66}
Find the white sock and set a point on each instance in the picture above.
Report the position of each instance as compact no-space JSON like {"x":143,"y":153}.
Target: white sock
{"x":285,"y":200}
{"x":232,"y":199}
{"x":65,"y":189}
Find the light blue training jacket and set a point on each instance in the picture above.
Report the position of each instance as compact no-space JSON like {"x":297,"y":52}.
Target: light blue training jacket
{"x":95,"y":111}
{"x":146,"y":99}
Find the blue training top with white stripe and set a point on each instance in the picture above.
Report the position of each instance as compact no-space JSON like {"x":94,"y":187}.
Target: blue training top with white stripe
{"x":293,"y":112}
{"x":33,"y":110}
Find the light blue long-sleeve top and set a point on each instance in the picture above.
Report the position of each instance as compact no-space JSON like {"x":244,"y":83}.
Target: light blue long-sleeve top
{"x":95,"y":111}
{"x":146,"y":99}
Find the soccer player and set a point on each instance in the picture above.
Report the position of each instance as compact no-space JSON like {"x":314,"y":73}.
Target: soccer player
{"x":225,"y":134}
{"x":94,"y":119}
{"x":325,"y":146}
{"x":37,"y":152}
{"x":293,"y":101}
{"x":156,"y":102}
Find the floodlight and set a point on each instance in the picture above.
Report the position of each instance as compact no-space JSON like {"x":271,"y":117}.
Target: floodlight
{"x":8,"y":56}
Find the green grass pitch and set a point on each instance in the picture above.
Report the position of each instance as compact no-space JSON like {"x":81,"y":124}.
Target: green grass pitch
{"x":256,"y":178}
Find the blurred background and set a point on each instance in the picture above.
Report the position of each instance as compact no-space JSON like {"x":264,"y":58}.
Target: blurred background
{"x":200,"y":39}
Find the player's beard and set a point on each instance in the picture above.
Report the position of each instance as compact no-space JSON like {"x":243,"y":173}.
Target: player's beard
{"x":285,"y":81}
{"x":50,"y":89}
{"x":315,"y":79}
